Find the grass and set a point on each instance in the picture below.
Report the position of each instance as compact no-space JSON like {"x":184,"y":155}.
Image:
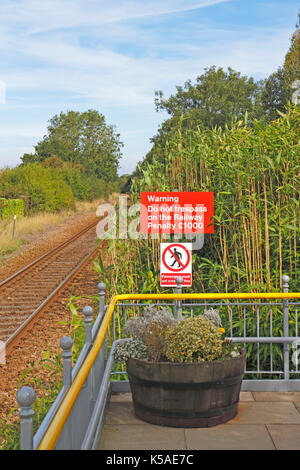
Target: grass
{"x":37,"y":223}
{"x":46,"y":394}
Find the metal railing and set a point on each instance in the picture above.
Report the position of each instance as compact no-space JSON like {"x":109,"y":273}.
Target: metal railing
{"x":76,"y":418}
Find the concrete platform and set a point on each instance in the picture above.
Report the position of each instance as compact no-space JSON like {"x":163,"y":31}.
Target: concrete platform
{"x":265,"y":421}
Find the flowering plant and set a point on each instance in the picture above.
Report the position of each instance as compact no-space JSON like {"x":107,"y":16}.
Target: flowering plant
{"x":156,"y":336}
{"x":148,"y":330}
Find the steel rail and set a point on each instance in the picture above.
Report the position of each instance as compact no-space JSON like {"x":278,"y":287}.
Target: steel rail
{"x":48,"y":253}
{"x":16,"y":336}
{"x":52,"y":434}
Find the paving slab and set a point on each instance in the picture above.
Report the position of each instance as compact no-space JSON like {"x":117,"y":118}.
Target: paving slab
{"x":276,"y":396}
{"x":121,"y":413}
{"x":285,"y":436}
{"x":120,"y":397}
{"x":142,"y":437}
{"x":259,"y":425}
{"x":266,"y":413}
{"x":246,"y":396}
{"x":225,"y":437}
{"x":297,"y":405}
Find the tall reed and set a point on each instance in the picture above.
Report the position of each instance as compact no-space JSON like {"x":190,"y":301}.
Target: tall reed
{"x":254,"y":174}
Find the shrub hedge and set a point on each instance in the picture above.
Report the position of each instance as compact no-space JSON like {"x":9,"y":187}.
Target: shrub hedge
{"x":49,"y":188}
{"x":11,"y":207}
{"x":45,"y":188}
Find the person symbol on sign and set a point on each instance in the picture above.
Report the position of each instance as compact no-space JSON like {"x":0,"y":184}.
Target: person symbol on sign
{"x":178,"y":255}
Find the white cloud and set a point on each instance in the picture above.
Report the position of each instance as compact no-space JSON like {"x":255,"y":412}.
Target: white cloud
{"x":40,"y":16}
{"x":60,"y":61}
{"x":113,"y":55}
{"x":22,"y":130}
{"x":117,"y":78}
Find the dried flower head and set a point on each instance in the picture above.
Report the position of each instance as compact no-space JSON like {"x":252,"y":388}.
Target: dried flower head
{"x":161,"y":315}
{"x":150,"y":330}
{"x":213,"y":315}
{"x":130,"y":348}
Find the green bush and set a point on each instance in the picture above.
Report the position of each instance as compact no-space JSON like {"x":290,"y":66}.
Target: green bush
{"x":85,"y":188}
{"x":11,"y":207}
{"x":194,"y":340}
{"x":44,"y":188}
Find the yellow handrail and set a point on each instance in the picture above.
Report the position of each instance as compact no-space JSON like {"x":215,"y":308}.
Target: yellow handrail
{"x":53,"y":432}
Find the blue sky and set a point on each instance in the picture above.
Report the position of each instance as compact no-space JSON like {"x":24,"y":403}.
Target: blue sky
{"x":59,"y":55}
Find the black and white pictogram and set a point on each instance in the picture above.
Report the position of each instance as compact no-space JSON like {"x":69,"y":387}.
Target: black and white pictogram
{"x":176,"y":257}
{"x":175,"y":260}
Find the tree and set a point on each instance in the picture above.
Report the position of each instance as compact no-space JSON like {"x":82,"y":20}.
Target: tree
{"x":218,"y":98}
{"x":276,"y":94}
{"x":82,"y":139}
{"x":277,"y":89}
{"x":292,"y":58}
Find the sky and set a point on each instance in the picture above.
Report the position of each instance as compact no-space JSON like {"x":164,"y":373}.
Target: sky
{"x":112,"y":55}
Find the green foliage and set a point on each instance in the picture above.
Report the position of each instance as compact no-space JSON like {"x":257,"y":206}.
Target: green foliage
{"x":10,"y":433}
{"x":218,"y":98}
{"x":292,"y":58}
{"x":44,"y":188}
{"x":277,"y":88}
{"x":84,"y":187}
{"x":254,"y":174}
{"x":78,"y":328}
{"x":52,"y":162}
{"x":276,"y":94}
{"x":11,"y":207}
{"x":193,"y":340}
{"x":84,"y":139}
{"x":50,"y":186}
{"x":124,"y":183}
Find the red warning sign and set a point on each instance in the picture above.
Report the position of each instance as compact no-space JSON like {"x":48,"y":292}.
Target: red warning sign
{"x":175,"y":260}
{"x":177,"y":212}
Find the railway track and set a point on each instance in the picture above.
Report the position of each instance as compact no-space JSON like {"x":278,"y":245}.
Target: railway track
{"x":27,"y":293}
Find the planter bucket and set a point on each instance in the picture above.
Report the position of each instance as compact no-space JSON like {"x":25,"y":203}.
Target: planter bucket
{"x":188,"y":394}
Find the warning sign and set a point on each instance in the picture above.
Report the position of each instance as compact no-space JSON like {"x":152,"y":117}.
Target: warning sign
{"x":177,"y":212}
{"x":175,"y":260}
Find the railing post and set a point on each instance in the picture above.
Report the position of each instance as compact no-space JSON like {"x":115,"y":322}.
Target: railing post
{"x":88,"y":317}
{"x":99,"y":366}
{"x":285,"y":288}
{"x":178,"y":290}
{"x":66,"y":344}
{"x":101,"y":287}
{"x":25,"y":397}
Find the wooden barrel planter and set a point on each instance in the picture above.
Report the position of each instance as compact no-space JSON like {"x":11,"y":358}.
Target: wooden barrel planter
{"x":187,"y":394}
